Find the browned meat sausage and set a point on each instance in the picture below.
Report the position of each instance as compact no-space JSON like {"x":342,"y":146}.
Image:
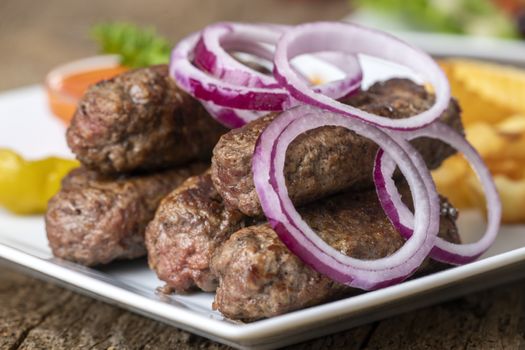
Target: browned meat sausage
{"x":94,"y":220}
{"x":140,"y":121}
{"x":188,"y":227}
{"x":326,"y":160}
{"x":259,"y":277}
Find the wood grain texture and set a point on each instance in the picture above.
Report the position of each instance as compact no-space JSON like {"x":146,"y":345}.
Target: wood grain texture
{"x":38,"y":315}
{"x":490,"y":319}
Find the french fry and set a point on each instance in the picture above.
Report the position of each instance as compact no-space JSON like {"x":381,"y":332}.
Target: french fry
{"x":449,"y":178}
{"x":513,"y":124}
{"x":475,"y":106}
{"x":452,"y":170}
{"x":485,"y":139}
{"x":508,"y":167}
{"x":512,"y":131}
{"x":503,"y":85}
{"x":492,"y":98}
{"x":512,"y":195}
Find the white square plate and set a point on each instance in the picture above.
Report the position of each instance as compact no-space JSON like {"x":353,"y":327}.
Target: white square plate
{"x":27,"y":126}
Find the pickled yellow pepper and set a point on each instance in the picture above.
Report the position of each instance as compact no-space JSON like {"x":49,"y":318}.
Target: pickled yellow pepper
{"x":26,"y":186}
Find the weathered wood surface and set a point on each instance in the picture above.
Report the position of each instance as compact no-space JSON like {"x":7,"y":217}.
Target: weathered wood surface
{"x":40,"y":315}
{"x":35,"y":36}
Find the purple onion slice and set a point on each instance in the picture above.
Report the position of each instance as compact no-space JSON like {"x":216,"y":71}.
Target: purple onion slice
{"x":268,"y":173}
{"x":403,"y":219}
{"x":201,"y":65}
{"x":352,"y":39}
{"x":260,"y":40}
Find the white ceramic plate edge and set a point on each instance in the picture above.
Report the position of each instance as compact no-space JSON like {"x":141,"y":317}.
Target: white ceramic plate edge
{"x":258,"y":332}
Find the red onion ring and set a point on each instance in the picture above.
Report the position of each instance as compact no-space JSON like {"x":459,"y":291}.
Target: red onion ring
{"x":403,"y":219}
{"x":230,"y":117}
{"x":210,"y":54}
{"x":233,"y":89}
{"x":353,"y":39}
{"x":268,"y":175}
{"x":236,"y":94}
{"x":210,"y":89}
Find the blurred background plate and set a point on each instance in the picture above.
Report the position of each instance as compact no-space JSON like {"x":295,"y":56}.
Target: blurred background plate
{"x":509,"y":51}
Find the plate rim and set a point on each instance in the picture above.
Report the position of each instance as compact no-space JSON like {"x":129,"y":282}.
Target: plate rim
{"x":261,"y":329}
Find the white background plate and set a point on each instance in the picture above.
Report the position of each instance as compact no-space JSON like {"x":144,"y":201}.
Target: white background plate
{"x":27,"y":126}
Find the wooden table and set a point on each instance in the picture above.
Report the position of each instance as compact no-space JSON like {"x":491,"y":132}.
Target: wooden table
{"x":35,"y":36}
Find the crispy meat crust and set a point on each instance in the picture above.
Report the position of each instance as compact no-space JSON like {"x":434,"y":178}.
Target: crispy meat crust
{"x":140,"y":121}
{"x":259,"y":277}
{"x":96,"y":219}
{"x":189,"y":225}
{"x":327,"y":160}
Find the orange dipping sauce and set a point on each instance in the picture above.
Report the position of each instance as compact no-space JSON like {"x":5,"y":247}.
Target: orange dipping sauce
{"x":66,"y":84}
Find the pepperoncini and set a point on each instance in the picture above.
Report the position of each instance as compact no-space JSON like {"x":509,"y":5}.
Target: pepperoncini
{"x":26,"y":186}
